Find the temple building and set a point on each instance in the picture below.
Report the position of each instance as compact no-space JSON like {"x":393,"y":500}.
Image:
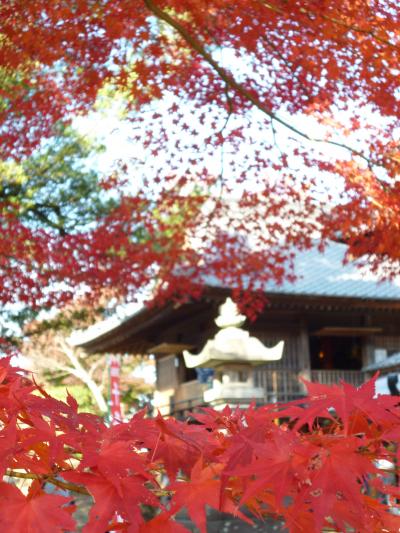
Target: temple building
{"x":335,"y":322}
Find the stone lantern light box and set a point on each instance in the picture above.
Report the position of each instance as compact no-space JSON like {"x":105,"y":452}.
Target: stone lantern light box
{"x":233,"y":353}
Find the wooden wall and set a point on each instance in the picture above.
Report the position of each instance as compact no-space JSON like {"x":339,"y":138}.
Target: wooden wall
{"x":167,"y":374}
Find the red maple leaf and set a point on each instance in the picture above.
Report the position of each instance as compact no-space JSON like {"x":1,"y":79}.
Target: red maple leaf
{"x":279,"y":464}
{"x":203,"y":489}
{"x":122,"y":497}
{"x":37,"y":513}
{"x":163,"y":523}
{"x":178,"y":445}
{"x":8,"y":440}
{"x":336,"y":475}
{"x":114,"y":459}
{"x":344,"y":401}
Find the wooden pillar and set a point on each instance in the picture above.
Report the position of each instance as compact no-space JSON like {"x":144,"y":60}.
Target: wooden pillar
{"x":304,"y":349}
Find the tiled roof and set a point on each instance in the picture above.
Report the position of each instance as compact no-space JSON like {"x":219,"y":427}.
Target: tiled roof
{"x":389,"y":362}
{"x":318,"y":274}
{"x":324,"y":274}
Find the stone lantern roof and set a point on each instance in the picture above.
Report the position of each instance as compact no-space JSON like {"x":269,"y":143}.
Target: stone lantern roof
{"x":232,"y":344}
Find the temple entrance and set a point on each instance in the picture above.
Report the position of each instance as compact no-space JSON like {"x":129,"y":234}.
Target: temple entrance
{"x":334,"y":352}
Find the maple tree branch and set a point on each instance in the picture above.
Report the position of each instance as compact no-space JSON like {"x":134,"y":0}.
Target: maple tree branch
{"x":71,"y":486}
{"x":357,"y":29}
{"x":291,"y":68}
{"x":238,"y":87}
{"x":20,"y":475}
{"x":49,"y":479}
{"x":81,"y":373}
{"x":94,"y":367}
{"x":338,"y":22}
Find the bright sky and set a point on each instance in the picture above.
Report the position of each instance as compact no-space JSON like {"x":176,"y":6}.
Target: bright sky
{"x":116,"y":134}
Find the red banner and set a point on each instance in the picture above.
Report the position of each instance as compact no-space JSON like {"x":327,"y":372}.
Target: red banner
{"x":115,"y":391}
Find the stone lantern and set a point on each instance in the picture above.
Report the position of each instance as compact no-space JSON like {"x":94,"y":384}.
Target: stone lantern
{"x":233,"y":353}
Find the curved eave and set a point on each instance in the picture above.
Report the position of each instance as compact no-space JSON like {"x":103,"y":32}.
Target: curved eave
{"x":136,"y":333}
{"x":114,"y":338}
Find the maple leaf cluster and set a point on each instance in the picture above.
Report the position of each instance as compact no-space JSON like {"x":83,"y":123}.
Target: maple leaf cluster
{"x":311,"y":463}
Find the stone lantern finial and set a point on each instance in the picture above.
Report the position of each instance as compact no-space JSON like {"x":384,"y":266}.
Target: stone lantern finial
{"x":229,"y":315}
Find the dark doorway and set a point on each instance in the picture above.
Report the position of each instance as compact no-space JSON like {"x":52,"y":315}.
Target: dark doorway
{"x":341,"y":353}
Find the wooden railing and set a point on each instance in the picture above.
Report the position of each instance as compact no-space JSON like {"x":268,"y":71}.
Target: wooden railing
{"x":284,"y":386}
{"x":331,"y":377}
{"x":278,"y":386}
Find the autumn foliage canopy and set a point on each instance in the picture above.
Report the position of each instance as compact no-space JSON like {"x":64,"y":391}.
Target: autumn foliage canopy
{"x":316,"y":468}
{"x":258,"y":128}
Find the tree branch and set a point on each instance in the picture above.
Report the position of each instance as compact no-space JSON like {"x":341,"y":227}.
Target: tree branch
{"x":48,"y":479}
{"x":238,"y":87}
{"x":94,"y":367}
{"x":84,"y":376}
{"x":71,"y":486}
{"x":334,"y":20}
